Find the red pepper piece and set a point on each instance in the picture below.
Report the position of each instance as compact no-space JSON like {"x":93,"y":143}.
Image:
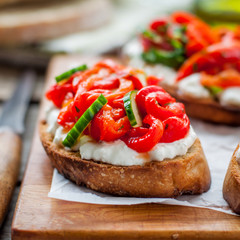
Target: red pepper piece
{"x":71,"y":113}
{"x":80,"y":77}
{"x":141,"y":95}
{"x":216,"y":55}
{"x":57,"y":93}
{"x":124,"y":87}
{"x":149,"y":139}
{"x":227,"y":78}
{"x":66,"y":117}
{"x":162,"y":106}
{"x":109,"y":64}
{"x":157,"y":24}
{"x":109,"y":124}
{"x":201,"y":27}
{"x":85,"y":99}
{"x":135,"y":80}
{"x":152,"y":80}
{"x":109,"y":82}
{"x":196,"y":41}
{"x":117,"y":103}
{"x":175,"y":129}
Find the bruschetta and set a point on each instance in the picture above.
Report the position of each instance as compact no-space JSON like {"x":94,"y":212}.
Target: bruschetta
{"x":112,"y":132}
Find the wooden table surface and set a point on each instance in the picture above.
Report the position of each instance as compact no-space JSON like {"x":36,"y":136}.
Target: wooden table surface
{"x":8,"y":81}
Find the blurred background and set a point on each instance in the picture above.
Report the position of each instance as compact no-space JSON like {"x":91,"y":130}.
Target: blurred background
{"x":32,"y":31}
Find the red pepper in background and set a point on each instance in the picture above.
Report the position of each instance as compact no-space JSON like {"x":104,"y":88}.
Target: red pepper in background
{"x":227,"y":78}
{"x":216,"y":55}
{"x":159,"y":24}
{"x":203,"y":29}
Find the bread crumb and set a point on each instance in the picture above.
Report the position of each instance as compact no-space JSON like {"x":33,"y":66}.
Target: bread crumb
{"x":103,"y":174}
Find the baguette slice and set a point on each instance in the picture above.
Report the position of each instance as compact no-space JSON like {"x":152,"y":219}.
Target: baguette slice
{"x":231,"y":185}
{"x":188,"y":174}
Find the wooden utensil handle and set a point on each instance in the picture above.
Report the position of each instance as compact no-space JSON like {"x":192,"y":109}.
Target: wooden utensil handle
{"x":10,"y":156}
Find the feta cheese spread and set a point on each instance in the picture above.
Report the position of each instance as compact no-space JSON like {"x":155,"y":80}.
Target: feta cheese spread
{"x":117,"y":152}
{"x":230,"y":97}
{"x":192,"y":87}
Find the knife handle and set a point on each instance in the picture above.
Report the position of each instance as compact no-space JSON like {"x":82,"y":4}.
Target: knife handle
{"x":10,"y":157}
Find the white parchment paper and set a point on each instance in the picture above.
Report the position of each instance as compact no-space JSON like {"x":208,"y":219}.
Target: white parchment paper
{"x":218,"y":143}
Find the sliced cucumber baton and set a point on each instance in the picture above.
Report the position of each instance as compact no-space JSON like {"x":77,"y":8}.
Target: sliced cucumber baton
{"x":70,"y":72}
{"x":83,"y":121}
{"x":131,"y":109}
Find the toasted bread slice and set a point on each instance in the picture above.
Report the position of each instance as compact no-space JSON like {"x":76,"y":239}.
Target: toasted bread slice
{"x":231,"y":185}
{"x":187,"y":174}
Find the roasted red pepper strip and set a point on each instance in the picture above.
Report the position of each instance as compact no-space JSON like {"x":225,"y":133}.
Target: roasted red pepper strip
{"x":66,"y":117}
{"x":152,"y":80}
{"x":227,"y":78}
{"x":196,"y":41}
{"x":175,"y":128}
{"x":147,"y":141}
{"x":110,"y":64}
{"x":216,"y":55}
{"x":124,"y":87}
{"x":162,"y":106}
{"x":141,"y":97}
{"x":201,"y":27}
{"x":57,"y":93}
{"x":80,"y":77}
{"x":109,"y":124}
{"x":75,"y":109}
{"x":85,"y":100}
{"x":158,"y":24}
{"x":110,"y":82}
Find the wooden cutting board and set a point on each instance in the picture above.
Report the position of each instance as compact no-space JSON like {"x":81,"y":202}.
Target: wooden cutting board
{"x":40,"y":217}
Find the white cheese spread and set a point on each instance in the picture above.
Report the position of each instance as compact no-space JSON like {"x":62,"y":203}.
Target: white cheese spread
{"x":191,"y":86}
{"x":117,"y":152}
{"x":51,"y":118}
{"x":230,"y":97}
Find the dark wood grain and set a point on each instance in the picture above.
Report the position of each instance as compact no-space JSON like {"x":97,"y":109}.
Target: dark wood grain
{"x":40,"y":217}
{"x":10,"y":156}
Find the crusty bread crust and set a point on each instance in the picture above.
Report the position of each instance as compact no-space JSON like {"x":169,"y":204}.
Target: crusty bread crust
{"x":187,"y":174}
{"x":231,"y":185}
